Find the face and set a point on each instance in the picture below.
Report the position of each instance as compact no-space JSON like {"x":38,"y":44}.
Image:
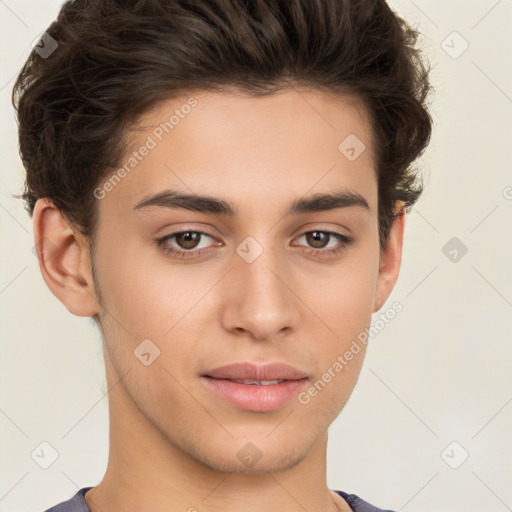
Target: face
{"x":219,"y":315}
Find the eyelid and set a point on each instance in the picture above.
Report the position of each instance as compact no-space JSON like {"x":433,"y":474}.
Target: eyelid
{"x":180,"y":227}
{"x":326,"y":227}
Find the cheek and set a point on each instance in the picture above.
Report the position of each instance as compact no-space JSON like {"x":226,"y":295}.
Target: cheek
{"x":344,"y":304}
{"x":160,"y":304}
{"x":344,"y":297}
{"x":146,"y":298}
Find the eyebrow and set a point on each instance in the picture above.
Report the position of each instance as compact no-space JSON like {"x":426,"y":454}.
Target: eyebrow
{"x":208,"y":204}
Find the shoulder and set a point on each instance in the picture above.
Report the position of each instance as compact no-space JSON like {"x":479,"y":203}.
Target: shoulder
{"x":75,"y":504}
{"x":359,"y":505}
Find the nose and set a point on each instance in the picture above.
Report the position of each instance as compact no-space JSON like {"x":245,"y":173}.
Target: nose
{"x":259,"y":298}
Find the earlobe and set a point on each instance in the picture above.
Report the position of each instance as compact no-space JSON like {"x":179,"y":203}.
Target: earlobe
{"x":64,"y":259}
{"x":391,"y":258}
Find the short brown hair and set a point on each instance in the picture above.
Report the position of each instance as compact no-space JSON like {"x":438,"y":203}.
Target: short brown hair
{"x":117,"y":59}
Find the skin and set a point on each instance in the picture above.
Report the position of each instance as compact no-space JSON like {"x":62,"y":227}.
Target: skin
{"x":173,"y":444}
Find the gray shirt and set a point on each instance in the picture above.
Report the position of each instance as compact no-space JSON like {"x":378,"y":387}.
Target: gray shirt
{"x":77,"y":503}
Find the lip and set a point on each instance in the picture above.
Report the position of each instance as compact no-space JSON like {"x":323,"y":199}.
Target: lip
{"x":252,"y":371}
{"x":255,"y":397}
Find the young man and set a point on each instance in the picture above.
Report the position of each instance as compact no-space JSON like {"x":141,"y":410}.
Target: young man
{"x":222,"y":186}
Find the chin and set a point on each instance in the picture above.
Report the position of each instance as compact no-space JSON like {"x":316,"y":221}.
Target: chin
{"x":274,"y":462}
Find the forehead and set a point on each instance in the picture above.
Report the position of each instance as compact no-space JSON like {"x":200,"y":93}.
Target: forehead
{"x":243,"y":147}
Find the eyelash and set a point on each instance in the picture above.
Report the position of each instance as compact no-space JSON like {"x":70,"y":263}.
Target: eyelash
{"x":344,"y":242}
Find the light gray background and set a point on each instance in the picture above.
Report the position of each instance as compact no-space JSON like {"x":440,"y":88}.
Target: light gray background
{"x":439,"y":372}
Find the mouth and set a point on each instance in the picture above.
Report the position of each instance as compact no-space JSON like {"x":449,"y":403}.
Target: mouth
{"x":258,"y":382}
{"x":256,"y":388}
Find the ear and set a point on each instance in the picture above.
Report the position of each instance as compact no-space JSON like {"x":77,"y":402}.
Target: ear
{"x":390,"y":258}
{"x":64,"y":260}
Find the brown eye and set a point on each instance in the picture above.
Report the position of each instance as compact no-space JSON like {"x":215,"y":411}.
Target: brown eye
{"x":188,"y":239}
{"x":186,"y":244}
{"x":325,"y":243}
{"x":318,"y":239}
